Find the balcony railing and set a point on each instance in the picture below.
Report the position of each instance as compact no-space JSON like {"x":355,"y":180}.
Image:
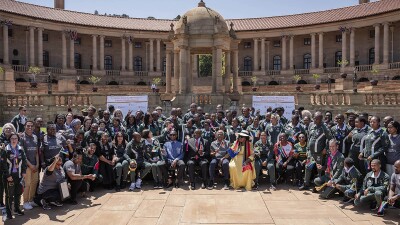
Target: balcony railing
{"x":141,"y":73}
{"x":82,"y":72}
{"x":113,"y":72}
{"x":364,"y":68}
{"x":301,"y":71}
{"x":245,"y":73}
{"x":273,"y":72}
{"x":395,"y":65}
{"x":53,"y":70}
{"x":332,"y":70}
{"x":20,"y":68}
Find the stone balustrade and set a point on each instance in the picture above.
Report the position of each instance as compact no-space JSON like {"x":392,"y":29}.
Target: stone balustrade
{"x":141,"y":73}
{"x":301,"y":71}
{"x":332,"y":70}
{"x":245,"y":73}
{"x":364,"y":68}
{"x":273,"y":72}
{"x":53,"y":70}
{"x":113,"y":72}
{"x":81,"y":72}
{"x":202,"y":99}
{"x":20,"y":68}
{"x":395,"y":65}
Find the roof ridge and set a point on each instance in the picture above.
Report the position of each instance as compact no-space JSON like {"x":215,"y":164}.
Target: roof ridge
{"x":85,"y":13}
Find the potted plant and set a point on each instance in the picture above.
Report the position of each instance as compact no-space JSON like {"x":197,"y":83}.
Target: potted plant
{"x":343,"y":63}
{"x":34,"y":71}
{"x":374,"y":81}
{"x":156,"y":82}
{"x":94,"y":80}
{"x":1,"y":70}
{"x":316,"y":77}
{"x":297,"y":78}
{"x":254,"y":81}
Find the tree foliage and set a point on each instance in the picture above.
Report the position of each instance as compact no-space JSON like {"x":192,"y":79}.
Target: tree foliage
{"x":205,"y":65}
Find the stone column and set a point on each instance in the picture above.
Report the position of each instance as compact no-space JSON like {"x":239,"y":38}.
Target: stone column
{"x":377,"y":44}
{"x":176,"y":71}
{"x":40,"y":47}
{"x":158,"y":60}
{"x":344,"y":47}
{"x":71,"y":54}
{"x":183,"y":61}
{"x":284,"y":53}
{"x":235,"y":70}
{"x":321,"y":50}
{"x":218,"y":67}
{"x":123,"y":54}
{"x":386,"y":43}
{"x":168,"y":72}
{"x":101,"y":52}
{"x":32,"y":46}
{"x":64,"y":50}
{"x":130,"y":55}
{"x":291,"y":54}
{"x":228,"y":71}
{"x":94,"y":52}
{"x":255,"y":60}
{"x":189,"y":71}
{"x":151,"y":56}
{"x":352,"y":47}
{"x":313,"y":54}
{"x":268,"y":57}
{"x":262,"y":54}
{"x":214,"y":69}
{"x":6,"y":56}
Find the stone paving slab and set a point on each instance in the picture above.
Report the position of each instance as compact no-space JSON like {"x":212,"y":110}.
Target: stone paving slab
{"x":180,"y":206}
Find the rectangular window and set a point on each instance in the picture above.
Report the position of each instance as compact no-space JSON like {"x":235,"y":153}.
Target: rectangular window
{"x":372,"y":34}
{"x":277,"y":43}
{"x":45,"y":37}
{"x":339,"y":38}
{"x":10,"y":32}
{"x":247,"y":45}
{"x":108,"y":43}
{"x":138,"y":44}
{"x":307,"y":41}
{"x":78,"y":41}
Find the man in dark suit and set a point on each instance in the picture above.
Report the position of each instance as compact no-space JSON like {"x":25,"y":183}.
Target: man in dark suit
{"x":198,"y":151}
{"x":19,"y":120}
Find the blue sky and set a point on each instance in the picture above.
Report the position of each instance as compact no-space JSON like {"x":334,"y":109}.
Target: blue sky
{"x":169,"y":9}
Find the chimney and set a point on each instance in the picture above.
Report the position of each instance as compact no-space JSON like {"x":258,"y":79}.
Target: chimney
{"x":363,"y":1}
{"x":59,"y":4}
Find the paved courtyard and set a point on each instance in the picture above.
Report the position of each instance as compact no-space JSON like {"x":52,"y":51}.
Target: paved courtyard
{"x":182,"y":206}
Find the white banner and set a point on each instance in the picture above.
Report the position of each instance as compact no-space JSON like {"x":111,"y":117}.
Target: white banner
{"x":126,"y":103}
{"x":264,"y":102}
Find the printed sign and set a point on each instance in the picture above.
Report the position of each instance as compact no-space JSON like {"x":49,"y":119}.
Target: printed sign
{"x":264,"y":102}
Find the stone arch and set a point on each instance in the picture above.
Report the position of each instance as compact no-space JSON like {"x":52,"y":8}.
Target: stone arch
{"x":20,"y":80}
{"x":84,"y":82}
{"x":396,"y":77}
{"x":273,"y":83}
{"x":246,"y":83}
{"x":113,"y":83}
{"x":141,"y":83}
{"x":301,"y":82}
{"x":363,"y":79}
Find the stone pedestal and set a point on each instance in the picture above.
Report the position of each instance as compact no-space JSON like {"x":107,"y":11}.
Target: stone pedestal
{"x":7,"y":83}
{"x":67,"y":86}
{"x":343,"y":85}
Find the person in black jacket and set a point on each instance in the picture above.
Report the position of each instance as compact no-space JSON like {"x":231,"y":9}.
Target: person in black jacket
{"x":198,"y":151}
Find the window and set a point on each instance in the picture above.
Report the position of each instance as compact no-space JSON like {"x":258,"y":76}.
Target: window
{"x":247,"y":45}
{"x":46,"y":59}
{"x":372,"y":34}
{"x":164,"y":47}
{"x":371,"y":56}
{"x":248,"y":62}
{"x":277,"y":43}
{"x":107,"y":43}
{"x":277,"y":62}
{"x":108,"y":64}
{"x":15,"y":52}
{"x":78,"y":41}
{"x":138,"y":44}
{"x":164,"y":64}
{"x":307,"y":41}
{"x":339,"y":38}
{"x":138,"y":64}
{"x":10,"y":32}
{"x":307,"y":61}
{"x":338,"y":57}
{"x":45,"y":37}
{"x":78,"y":61}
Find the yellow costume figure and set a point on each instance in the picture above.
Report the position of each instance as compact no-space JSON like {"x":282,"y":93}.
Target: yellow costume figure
{"x":241,"y":166}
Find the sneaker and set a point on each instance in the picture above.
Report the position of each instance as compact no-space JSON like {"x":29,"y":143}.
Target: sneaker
{"x":27,"y":206}
{"x":18,"y":212}
{"x":132,"y":187}
{"x":192,"y":186}
{"x":210,"y":185}
{"x":45,"y":205}
{"x":226,"y":187}
{"x":138,"y":183}
{"x":117,"y":189}
{"x":58,"y":204}
{"x":33,"y":204}
{"x":304,"y":188}
{"x":203,"y":185}
{"x":272,"y":188}
{"x":255,"y":187}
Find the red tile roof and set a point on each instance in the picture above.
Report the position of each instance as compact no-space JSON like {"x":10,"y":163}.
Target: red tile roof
{"x":265,"y":23}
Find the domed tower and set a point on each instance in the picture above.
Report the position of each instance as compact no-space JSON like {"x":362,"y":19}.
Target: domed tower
{"x":202,"y":30}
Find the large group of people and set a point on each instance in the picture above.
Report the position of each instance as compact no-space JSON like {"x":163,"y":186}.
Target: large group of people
{"x":348,"y":154}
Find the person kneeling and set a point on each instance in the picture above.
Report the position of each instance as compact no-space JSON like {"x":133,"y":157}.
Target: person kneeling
{"x":349,"y":182}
